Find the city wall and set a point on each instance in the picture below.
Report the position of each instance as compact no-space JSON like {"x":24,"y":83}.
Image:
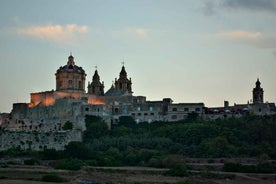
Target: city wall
{"x":38,"y":140}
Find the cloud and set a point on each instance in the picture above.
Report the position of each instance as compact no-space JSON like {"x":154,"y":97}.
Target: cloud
{"x":131,"y":33}
{"x":254,"y":39}
{"x":211,"y":7}
{"x":62,"y":34}
{"x":240,"y":35}
{"x":137,"y":32}
{"x":261,"y":5}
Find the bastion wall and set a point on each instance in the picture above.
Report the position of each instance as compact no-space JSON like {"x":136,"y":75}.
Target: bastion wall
{"x":38,"y":140}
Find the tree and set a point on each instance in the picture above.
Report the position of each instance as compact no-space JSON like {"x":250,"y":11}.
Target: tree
{"x":68,"y":125}
{"x":95,"y":128}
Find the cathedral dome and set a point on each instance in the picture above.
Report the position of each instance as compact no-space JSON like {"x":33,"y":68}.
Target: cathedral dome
{"x":71,"y":67}
{"x":70,"y":77}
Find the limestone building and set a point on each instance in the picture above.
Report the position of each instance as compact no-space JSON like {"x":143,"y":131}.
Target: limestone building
{"x":258,"y":93}
{"x":96,"y":87}
{"x":49,"y":110}
{"x":258,"y":107}
{"x":70,"y":77}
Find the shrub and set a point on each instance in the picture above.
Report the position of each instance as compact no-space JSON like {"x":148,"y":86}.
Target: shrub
{"x":178,"y":170}
{"x":68,"y":125}
{"x":52,"y":178}
{"x":71,"y":164}
{"x":31,"y":162}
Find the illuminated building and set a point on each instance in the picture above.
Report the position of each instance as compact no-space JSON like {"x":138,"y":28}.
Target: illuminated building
{"x":49,"y":110}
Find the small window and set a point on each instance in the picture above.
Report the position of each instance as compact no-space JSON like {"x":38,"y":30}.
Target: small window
{"x":133,"y":114}
{"x":138,"y":108}
{"x":150,"y":108}
{"x":152,"y":114}
{"x":139,"y":114}
{"x":174,"y":109}
{"x":86,"y":109}
{"x":145,"y":114}
{"x":197,"y":109}
{"x":186,"y":109}
{"x":80,"y":85}
{"x":70,"y":83}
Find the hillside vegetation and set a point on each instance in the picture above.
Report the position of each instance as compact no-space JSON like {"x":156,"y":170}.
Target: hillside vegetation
{"x":164,"y":144}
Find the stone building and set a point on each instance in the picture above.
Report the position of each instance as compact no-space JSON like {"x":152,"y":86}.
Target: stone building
{"x":96,"y":87}
{"x":70,"y":77}
{"x":258,"y":107}
{"x":258,"y":93}
{"x":49,"y":110}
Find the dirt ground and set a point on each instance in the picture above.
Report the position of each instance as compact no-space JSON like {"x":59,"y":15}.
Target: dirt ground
{"x":121,"y":175}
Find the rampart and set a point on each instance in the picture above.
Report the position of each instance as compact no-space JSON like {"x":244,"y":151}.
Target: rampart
{"x":38,"y":140}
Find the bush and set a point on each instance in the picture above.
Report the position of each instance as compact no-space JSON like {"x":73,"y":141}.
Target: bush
{"x":68,"y":125}
{"x":232,"y":167}
{"x":77,"y":150}
{"x":52,"y":178}
{"x":178,"y":170}
{"x":31,"y":162}
{"x":260,"y":168}
{"x":71,"y":164}
{"x":50,"y":154}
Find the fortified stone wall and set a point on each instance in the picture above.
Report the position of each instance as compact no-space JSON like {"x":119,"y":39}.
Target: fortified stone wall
{"x":38,"y":140}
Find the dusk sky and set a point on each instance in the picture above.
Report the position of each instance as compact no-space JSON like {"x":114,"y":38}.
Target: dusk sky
{"x":191,"y":51}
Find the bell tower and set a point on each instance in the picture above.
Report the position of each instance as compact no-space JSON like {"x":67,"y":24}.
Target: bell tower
{"x":258,"y":93}
{"x":123,"y":83}
{"x":96,"y":87}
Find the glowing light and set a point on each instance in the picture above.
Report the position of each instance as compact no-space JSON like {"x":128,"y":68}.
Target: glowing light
{"x":95,"y":102}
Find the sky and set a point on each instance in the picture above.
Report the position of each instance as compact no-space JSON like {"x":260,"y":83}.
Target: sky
{"x":191,"y":51}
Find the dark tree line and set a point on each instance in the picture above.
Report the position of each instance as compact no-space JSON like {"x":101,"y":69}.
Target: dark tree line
{"x":161,"y":143}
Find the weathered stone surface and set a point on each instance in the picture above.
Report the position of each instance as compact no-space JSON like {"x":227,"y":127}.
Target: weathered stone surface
{"x":38,"y":140}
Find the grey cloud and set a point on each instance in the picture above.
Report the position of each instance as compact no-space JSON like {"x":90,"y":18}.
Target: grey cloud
{"x":260,"y":5}
{"x":211,"y":7}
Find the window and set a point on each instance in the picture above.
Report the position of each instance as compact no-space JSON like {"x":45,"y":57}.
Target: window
{"x":145,"y":114}
{"x":152,"y":114}
{"x":186,"y":109}
{"x":80,"y":85}
{"x":86,"y":109}
{"x":138,"y":108}
{"x":174,"y":109}
{"x":197,"y":109}
{"x":150,"y":108}
{"x":139,"y":114}
{"x":70,"y":83}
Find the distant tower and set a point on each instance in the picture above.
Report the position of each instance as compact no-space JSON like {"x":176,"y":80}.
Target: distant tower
{"x":70,"y":77}
{"x":96,"y":87}
{"x":258,"y":93}
{"x":123,"y":83}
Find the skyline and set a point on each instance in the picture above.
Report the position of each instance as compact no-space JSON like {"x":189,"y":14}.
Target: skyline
{"x":190,"y":51}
